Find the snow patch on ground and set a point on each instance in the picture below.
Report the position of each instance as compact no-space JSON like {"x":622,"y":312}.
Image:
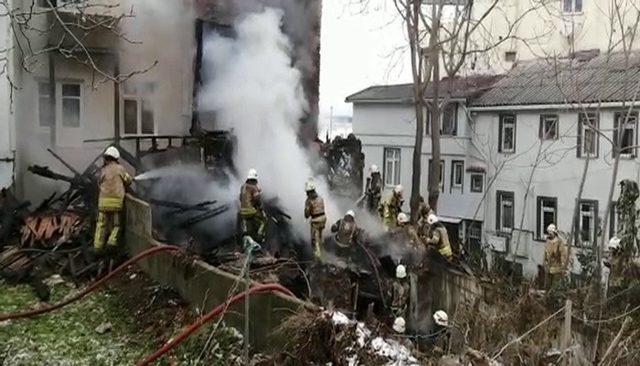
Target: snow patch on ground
{"x":396,"y":353}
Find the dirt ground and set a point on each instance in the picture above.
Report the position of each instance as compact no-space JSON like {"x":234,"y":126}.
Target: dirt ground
{"x":142,"y":316}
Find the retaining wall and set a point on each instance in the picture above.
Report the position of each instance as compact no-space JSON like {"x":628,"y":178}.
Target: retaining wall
{"x":205,"y":286}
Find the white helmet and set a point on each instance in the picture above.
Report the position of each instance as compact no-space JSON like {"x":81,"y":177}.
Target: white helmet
{"x":252,"y":174}
{"x":614,"y":243}
{"x":309,"y":185}
{"x":403,"y":218}
{"x":399,"y":325}
{"x":375,"y":169}
{"x":432,"y":219}
{"x":398,"y":189}
{"x":113,"y":152}
{"x":441,"y":318}
{"x":351,"y":213}
{"x":401,"y":271}
{"x":552,"y":229}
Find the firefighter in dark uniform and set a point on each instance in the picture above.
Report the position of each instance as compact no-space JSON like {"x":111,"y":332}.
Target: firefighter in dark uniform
{"x":252,"y":219}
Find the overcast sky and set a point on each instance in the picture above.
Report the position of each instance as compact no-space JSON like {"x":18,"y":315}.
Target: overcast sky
{"x":357,"y":51}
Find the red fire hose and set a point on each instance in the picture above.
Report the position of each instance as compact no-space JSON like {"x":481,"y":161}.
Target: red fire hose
{"x":88,"y":290}
{"x":259,"y":289}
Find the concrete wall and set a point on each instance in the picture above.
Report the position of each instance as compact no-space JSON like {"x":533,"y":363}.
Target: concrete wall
{"x":558,"y":174}
{"x":393,"y":126}
{"x":6,"y":114}
{"x":205,"y":286}
{"x":543,"y":29}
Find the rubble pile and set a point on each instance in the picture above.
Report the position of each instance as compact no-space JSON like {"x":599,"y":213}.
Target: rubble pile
{"x":330,"y":337}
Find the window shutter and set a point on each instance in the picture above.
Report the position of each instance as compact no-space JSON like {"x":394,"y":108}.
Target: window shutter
{"x":576,"y":224}
{"x":500,"y":134}
{"x":538,"y":223}
{"x":541,"y":127}
{"x":498,"y":209}
{"x":579,"y":145}
{"x":616,"y":132}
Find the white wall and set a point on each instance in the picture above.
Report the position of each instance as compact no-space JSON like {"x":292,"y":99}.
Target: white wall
{"x":544,"y":31}
{"x":6,"y":117}
{"x":393,"y":126}
{"x":558,"y":174}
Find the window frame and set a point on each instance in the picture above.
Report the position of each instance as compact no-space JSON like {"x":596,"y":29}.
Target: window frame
{"x":582,"y":133}
{"x":396,"y":162}
{"x":501,"y":133}
{"x":39,"y":102}
{"x":541,"y":227}
{"x":58,"y":111}
{"x":572,"y":4}
{"x":500,"y":196}
{"x":542,"y":130}
{"x":140,"y":98}
{"x":633,"y":116}
{"x":578,"y":229}
{"x":454,"y":120}
{"x":471,"y":188}
{"x":452,"y":183}
{"x":442,"y":172}
{"x":79,"y":98}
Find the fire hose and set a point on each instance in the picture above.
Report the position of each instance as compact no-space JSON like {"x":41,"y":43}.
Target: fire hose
{"x":259,"y":289}
{"x":93,"y":287}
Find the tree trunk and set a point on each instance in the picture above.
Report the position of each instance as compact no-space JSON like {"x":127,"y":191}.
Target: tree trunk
{"x":434,"y":174}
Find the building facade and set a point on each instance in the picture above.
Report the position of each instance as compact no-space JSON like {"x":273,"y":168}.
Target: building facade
{"x":516,"y":159}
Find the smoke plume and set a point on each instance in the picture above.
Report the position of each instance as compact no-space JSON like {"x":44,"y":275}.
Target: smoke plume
{"x":255,"y":90}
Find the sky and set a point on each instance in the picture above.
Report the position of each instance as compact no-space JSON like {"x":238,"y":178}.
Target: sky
{"x":359,"y":48}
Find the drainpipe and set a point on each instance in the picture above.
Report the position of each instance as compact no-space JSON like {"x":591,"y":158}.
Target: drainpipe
{"x":116,"y":99}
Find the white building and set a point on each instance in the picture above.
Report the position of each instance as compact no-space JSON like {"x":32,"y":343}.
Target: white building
{"x":530,"y":115}
{"x":156,"y":47}
{"x":521,"y":30}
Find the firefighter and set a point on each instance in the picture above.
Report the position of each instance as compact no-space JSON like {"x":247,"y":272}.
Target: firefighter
{"x":556,"y":255}
{"x":400,"y":292}
{"x":346,"y":229}
{"x":444,"y":338}
{"x":423,"y":213}
{"x":314,"y":211}
{"x":390,"y":208}
{"x":405,"y":229}
{"x":113,"y":182}
{"x":374,"y":189}
{"x":438,"y":238}
{"x":252,"y":219}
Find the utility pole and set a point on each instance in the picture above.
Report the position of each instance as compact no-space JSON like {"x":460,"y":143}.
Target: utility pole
{"x":330,"y":122}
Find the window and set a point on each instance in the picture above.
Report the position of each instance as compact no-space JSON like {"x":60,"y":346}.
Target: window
{"x":625,"y":135}
{"x":71,"y":99}
{"x":507,"y":134}
{"x":68,"y":104}
{"x":587,"y":222}
{"x":391,"y":167}
{"x":44,"y":105}
{"x":548,"y":127}
{"x":450,"y":120}
{"x":504,"y":211}
{"x":510,"y":56}
{"x":457,"y":174}
{"x":572,"y":6}
{"x":137,"y":109}
{"x":442,"y":162}
{"x":588,"y":140}
{"x":547,"y":212}
{"x":477,"y":182}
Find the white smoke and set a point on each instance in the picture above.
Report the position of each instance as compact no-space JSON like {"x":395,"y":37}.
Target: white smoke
{"x":256,"y":91}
